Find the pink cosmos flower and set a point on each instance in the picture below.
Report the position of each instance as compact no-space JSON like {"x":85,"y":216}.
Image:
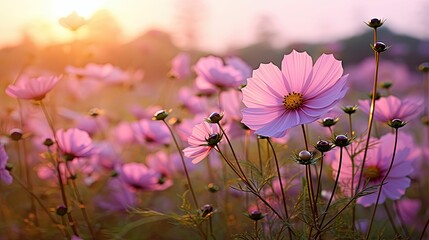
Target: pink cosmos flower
{"x":74,"y":143}
{"x":212,"y":70}
{"x":154,"y":133}
{"x":391,"y":107}
{"x":299,"y":93}
{"x":140,"y":177}
{"x":32,"y":88}
{"x":376,"y":166}
{"x":118,"y":197}
{"x":181,"y":66}
{"x":204,"y":138}
{"x":190,"y":101}
{"x":102,"y":72}
{"x":240,"y":65}
{"x":4,"y":173}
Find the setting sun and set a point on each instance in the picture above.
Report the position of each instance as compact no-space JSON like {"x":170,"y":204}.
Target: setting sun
{"x":84,"y":8}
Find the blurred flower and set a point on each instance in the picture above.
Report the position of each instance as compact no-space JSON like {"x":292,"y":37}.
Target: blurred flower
{"x":204,"y":138}
{"x":85,"y":122}
{"x":212,"y":71}
{"x":298,"y":94}
{"x":190,"y":101}
{"x":4,"y":172}
{"x":106,"y":73}
{"x":391,"y":107}
{"x":231,"y":103}
{"x":73,"y":21}
{"x":377,"y":163}
{"x":181,"y":66}
{"x":32,"y":88}
{"x":140,"y":177}
{"x":74,"y":143}
{"x":408,"y":210}
{"x":118,"y":197}
{"x":240,"y":65}
{"x":154,"y":133}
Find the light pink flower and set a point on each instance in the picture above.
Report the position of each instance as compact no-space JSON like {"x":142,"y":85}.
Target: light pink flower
{"x":190,"y":101}
{"x":299,"y":93}
{"x":204,"y":138}
{"x":391,"y":107}
{"x":154,"y":133}
{"x":240,"y":65}
{"x":140,"y":177}
{"x":181,"y":66}
{"x":4,"y":173}
{"x":212,"y":70}
{"x":376,"y":166}
{"x":74,"y":143}
{"x":32,"y":88}
{"x":103,"y":72}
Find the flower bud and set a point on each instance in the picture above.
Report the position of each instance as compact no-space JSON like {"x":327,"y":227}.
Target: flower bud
{"x":350,"y":109}
{"x":214,"y":117}
{"x":213,"y":139}
{"x":305,"y":158}
{"x":386,"y":85}
{"x":256,"y":215}
{"x":48,"y":142}
{"x":379,"y":47}
{"x":8,"y":166}
{"x":329,"y":121}
{"x":342,"y":140}
{"x":161,"y":115}
{"x":206,"y":210}
{"x":16,"y":134}
{"x":69,"y":157}
{"x":396,"y":123}
{"x":212,"y":187}
{"x":95,"y":112}
{"x":324,"y":146}
{"x":375,"y":23}
{"x":424,"y":67}
{"x":425,"y":120}
{"x":377,"y":95}
{"x":61,"y":210}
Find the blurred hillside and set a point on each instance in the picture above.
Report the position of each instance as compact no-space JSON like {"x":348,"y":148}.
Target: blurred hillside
{"x":153,"y":50}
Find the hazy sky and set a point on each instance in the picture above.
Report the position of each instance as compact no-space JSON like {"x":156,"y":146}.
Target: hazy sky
{"x":221,"y":23}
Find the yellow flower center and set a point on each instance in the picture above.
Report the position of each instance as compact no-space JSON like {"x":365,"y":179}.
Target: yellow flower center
{"x":372,"y":172}
{"x":293,"y":100}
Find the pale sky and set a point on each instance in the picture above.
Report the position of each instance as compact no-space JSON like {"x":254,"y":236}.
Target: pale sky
{"x":221,"y":23}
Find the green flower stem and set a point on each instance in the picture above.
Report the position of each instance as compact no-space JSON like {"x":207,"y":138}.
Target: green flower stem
{"x":183,"y":163}
{"x":81,"y":203}
{"x":371,"y":110}
{"x":334,"y":188}
{"x":389,"y":215}
{"x":381,"y":185}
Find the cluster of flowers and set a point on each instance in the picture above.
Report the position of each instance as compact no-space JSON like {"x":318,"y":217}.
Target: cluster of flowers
{"x":223,"y":108}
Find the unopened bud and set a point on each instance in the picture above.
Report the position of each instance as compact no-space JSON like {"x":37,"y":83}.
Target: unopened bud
{"x":324,"y":146}
{"x":206,"y":210}
{"x":396,"y":123}
{"x":341,"y":140}
{"x":350,"y":109}
{"x":61,"y":210}
{"x":16,"y":134}
{"x":214,"y":117}
{"x":161,"y":115}
{"x":424,"y":67}
{"x":379,"y":47}
{"x":375,"y":23}
{"x":256,"y":215}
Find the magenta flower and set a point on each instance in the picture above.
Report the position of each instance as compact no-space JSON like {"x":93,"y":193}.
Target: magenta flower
{"x":299,"y":93}
{"x":204,"y":138}
{"x":140,"y":177}
{"x":212,"y":70}
{"x":4,"y":173}
{"x":74,"y":143}
{"x":181,"y":66}
{"x":32,"y":88}
{"x":376,"y":166}
{"x":154,"y":133}
{"x":391,"y":107}
{"x":118,"y":197}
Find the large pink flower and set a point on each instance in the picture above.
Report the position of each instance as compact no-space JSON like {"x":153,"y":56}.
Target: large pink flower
{"x":32,"y":88}
{"x":74,"y":143}
{"x":299,"y":93}
{"x":391,"y":107}
{"x":376,"y":166}
{"x":4,"y":173}
{"x":204,"y":138}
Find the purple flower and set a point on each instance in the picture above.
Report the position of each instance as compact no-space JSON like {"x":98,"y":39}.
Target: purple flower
{"x":4,"y":173}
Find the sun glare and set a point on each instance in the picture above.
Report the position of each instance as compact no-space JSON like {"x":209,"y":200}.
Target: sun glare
{"x":84,"y":8}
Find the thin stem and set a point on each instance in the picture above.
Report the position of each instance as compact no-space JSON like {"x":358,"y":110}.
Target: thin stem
{"x":211,"y":227}
{"x":305,"y":137}
{"x":371,"y":110}
{"x":382,"y":183}
{"x":335,"y":186}
{"x":389,"y":215}
{"x":259,"y":154}
{"x":60,"y":227}
{"x":319,"y":182}
{"x":233,"y":152}
{"x":256,"y":230}
{"x":280,"y":178}
{"x":424,"y":230}
{"x":370,"y":119}
{"x":81,"y":203}
{"x":183,"y":163}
